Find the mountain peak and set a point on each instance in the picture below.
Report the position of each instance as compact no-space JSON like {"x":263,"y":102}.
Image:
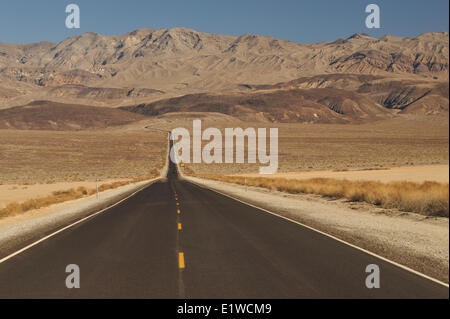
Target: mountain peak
{"x":183,"y":30}
{"x":359,"y":36}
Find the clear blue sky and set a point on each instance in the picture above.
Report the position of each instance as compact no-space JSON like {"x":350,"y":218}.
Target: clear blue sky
{"x":295,"y":20}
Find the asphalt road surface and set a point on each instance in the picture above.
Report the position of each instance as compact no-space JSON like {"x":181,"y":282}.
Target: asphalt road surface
{"x":177,"y":240}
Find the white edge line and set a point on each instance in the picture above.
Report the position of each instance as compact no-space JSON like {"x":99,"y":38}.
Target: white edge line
{"x":327,"y":235}
{"x":73,"y":224}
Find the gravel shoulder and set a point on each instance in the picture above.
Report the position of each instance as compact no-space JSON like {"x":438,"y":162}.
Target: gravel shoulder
{"x":412,"y":240}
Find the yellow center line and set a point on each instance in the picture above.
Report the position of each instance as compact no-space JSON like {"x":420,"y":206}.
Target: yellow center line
{"x":179,"y":226}
{"x":181,"y":260}
{"x":178,"y":211}
{"x":178,"y":204}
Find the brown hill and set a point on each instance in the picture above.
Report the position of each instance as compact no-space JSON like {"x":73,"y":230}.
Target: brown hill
{"x":44,"y":115}
{"x":295,"y":105}
{"x":182,"y":61}
{"x":335,"y":98}
{"x":418,"y":96}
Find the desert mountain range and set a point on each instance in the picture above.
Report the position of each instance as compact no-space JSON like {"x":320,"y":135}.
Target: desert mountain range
{"x":335,"y":98}
{"x":154,"y":72}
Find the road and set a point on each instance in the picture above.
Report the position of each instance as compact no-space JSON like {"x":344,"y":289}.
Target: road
{"x":175,"y":239}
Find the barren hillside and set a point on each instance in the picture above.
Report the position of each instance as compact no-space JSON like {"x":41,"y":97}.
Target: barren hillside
{"x":45,"y":115}
{"x":335,"y":98}
{"x":149,"y":65}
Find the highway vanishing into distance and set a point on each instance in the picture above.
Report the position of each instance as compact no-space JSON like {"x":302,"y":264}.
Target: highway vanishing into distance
{"x":175,"y":239}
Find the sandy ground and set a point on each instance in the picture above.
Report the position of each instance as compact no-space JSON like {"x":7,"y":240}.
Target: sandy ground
{"x":40,"y":157}
{"x":418,"y":174}
{"x":20,"y":193}
{"x":413,"y":240}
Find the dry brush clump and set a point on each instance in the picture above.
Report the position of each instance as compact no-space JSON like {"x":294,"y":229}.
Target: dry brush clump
{"x":428,"y":198}
{"x":66,"y":195}
{"x":55,"y":198}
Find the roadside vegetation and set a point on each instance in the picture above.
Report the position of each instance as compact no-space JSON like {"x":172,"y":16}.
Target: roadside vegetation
{"x":428,"y":198}
{"x":66,"y":195}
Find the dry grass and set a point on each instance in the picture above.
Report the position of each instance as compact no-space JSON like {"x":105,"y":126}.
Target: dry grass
{"x":40,"y":157}
{"x":66,"y":195}
{"x":57,"y":197}
{"x":428,"y":198}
